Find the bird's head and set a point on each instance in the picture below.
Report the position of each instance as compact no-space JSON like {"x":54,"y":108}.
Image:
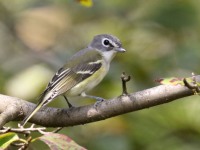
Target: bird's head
{"x":107,"y":45}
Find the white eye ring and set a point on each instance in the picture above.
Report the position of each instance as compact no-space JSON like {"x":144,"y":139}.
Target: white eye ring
{"x":106,"y":42}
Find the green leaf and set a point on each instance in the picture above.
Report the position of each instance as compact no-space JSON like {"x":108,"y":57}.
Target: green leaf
{"x":172,"y":81}
{"x":7,"y":138}
{"x":60,"y":142}
{"x":87,"y":3}
{"x":178,"y":81}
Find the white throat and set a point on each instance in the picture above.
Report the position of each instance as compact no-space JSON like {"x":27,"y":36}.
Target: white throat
{"x":108,"y":55}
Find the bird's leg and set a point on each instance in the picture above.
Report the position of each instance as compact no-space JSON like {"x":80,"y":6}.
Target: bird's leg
{"x":98,"y":99}
{"x":68,"y":103}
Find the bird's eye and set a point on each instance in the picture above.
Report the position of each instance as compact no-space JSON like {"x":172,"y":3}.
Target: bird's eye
{"x":106,"y":42}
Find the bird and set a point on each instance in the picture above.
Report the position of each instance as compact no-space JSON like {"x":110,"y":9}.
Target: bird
{"x":82,"y":72}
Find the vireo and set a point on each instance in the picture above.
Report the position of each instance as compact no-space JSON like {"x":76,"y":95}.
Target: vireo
{"x":82,"y":72}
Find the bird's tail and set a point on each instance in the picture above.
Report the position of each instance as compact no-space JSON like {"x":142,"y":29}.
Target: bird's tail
{"x":41,"y":103}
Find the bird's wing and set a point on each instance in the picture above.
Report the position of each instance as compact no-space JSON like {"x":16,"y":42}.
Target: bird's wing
{"x":81,"y":66}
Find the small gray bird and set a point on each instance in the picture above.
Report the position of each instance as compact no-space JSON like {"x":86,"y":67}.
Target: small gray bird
{"x":82,"y":72}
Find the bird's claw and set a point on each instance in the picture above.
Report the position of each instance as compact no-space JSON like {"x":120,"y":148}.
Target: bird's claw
{"x":99,"y":101}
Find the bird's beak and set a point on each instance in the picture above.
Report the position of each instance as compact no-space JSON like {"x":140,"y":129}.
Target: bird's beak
{"x":120,"y":49}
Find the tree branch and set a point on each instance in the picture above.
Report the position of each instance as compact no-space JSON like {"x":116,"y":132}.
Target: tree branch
{"x":15,"y":109}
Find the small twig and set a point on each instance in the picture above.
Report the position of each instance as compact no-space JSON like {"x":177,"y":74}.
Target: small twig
{"x":124,"y":79}
{"x":5,"y":129}
{"x":21,"y":130}
{"x":17,"y":144}
{"x":27,"y":131}
{"x":25,"y":145}
{"x":193,"y":86}
{"x":20,"y":142}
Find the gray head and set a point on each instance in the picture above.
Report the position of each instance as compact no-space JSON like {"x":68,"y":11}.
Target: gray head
{"x":106,"y":42}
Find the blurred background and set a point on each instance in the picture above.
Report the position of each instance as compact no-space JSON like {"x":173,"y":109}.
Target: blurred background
{"x":162,"y":39}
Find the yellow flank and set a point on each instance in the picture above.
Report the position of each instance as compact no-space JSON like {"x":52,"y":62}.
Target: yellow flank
{"x":90,"y":82}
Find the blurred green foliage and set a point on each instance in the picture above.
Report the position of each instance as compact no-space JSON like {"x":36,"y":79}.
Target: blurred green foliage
{"x":161,"y":38}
